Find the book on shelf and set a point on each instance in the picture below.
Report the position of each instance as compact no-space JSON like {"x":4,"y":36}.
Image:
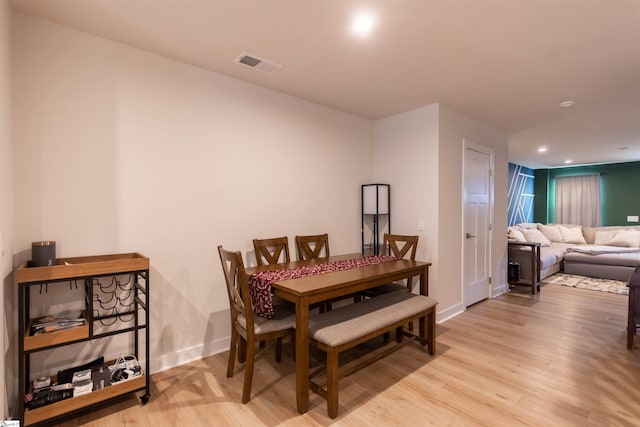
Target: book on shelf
{"x":51,"y":323}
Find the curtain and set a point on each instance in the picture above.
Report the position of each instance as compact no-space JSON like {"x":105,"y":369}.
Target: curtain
{"x":578,"y":200}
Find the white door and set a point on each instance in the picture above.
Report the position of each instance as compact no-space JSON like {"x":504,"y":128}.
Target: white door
{"x":477,"y":205}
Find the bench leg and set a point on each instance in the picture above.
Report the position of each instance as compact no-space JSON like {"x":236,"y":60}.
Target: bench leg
{"x":399,"y":334}
{"x":431,"y":331}
{"x":423,"y":329}
{"x":427,"y":325}
{"x":332,"y":382}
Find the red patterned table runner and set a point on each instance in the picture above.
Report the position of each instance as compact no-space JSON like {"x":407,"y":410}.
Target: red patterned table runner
{"x":260,"y":283}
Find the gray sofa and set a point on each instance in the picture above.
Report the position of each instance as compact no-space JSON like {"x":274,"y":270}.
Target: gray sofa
{"x":609,"y":252}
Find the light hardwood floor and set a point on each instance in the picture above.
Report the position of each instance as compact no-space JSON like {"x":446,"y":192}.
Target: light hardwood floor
{"x":555,"y":359}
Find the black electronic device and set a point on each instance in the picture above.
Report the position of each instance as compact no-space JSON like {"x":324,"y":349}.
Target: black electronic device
{"x":65,"y":376}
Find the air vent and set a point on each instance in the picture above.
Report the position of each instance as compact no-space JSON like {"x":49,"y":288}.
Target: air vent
{"x":255,"y":62}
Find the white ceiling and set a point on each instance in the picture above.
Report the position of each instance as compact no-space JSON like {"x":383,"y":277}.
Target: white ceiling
{"x":507,"y":63}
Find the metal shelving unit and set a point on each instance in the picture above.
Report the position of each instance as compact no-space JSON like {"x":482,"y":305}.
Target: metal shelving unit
{"x":92,"y":270}
{"x":376,"y":217}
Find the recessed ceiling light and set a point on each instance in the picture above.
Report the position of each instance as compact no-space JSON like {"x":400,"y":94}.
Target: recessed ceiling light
{"x":566,"y":162}
{"x":567,"y":104}
{"x":542,"y":150}
{"x":362,"y":23}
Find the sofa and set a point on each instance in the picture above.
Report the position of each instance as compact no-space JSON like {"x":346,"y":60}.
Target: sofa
{"x":608,"y":252}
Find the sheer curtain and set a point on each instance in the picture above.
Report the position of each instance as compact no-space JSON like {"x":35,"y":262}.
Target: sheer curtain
{"x":578,"y":200}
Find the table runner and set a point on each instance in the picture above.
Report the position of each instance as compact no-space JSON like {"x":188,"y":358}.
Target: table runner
{"x":260,"y":283}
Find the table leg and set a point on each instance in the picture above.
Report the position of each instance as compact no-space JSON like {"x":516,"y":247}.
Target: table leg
{"x":302,"y":354}
{"x":424,"y":281}
{"x":533,"y":271}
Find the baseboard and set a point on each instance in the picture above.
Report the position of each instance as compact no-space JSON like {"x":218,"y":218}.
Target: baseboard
{"x":499,"y":290}
{"x":187,"y":355}
{"x":449,"y":313}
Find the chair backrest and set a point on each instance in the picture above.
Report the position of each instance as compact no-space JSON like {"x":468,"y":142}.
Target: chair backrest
{"x":237,"y":286}
{"x":400,"y":246}
{"x":312,"y":247}
{"x":270,"y":251}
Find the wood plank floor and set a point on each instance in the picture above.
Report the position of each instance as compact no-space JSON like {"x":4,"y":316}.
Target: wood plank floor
{"x":555,"y":359}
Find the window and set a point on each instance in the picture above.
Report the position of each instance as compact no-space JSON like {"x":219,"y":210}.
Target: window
{"x":578,"y":200}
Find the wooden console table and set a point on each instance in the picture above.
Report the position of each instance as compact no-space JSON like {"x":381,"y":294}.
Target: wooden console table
{"x":634,"y":307}
{"x":534,"y":264}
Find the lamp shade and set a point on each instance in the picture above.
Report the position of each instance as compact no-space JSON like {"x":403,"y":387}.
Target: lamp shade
{"x":375,"y":199}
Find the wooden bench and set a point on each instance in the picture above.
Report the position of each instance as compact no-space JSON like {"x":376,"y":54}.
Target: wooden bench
{"x":345,"y":327}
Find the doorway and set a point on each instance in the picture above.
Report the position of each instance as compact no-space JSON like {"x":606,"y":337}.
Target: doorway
{"x":477,"y":218}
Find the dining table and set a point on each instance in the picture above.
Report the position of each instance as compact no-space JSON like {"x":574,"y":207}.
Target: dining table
{"x":315,"y":288}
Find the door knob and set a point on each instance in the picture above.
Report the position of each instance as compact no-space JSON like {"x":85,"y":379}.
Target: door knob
{"x":469,"y":235}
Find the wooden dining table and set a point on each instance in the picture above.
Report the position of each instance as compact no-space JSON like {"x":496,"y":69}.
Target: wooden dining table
{"x":307,"y":290}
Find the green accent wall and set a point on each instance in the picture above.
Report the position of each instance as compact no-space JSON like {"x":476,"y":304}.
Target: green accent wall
{"x":619,"y":187}
{"x":541,"y":191}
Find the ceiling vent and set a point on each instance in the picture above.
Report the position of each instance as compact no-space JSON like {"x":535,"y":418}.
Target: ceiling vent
{"x":255,"y":62}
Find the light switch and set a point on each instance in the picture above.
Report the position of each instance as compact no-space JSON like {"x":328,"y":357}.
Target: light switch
{"x":420,"y":224}
{"x":632,"y":218}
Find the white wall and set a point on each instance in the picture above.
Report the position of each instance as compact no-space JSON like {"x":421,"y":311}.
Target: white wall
{"x":6,"y":208}
{"x":455,"y":127}
{"x":420,"y":154}
{"x":119,"y":150}
{"x":406,"y":157}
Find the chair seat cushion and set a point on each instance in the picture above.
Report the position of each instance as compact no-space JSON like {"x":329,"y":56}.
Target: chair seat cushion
{"x":353,"y":321}
{"x":285,"y":318}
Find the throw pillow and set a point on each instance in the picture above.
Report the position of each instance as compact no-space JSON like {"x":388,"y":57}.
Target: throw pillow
{"x":628,"y":238}
{"x":603,"y":237}
{"x":514,"y":233}
{"x":572,"y":235}
{"x":535,"y":236}
{"x":527,"y":225}
{"x":551,"y":232}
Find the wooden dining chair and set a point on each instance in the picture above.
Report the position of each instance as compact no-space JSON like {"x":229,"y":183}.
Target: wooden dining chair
{"x":312,"y":247}
{"x":271,"y":251}
{"x":248,"y":329}
{"x":316,"y":247}
{"x":401,"y":247}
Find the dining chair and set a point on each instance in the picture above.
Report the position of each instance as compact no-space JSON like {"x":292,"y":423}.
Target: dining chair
{"x":401,"y":247}
{"x":248,"y":329}
{"x":312,"y":247}
{"x":271,"y":251}
{"x":317,"y":247}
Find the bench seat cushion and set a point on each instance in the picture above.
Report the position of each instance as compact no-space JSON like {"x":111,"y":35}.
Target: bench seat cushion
{"x":353,"y":321}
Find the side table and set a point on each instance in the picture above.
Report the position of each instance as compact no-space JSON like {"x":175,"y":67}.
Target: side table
{"x":533,"y":264}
